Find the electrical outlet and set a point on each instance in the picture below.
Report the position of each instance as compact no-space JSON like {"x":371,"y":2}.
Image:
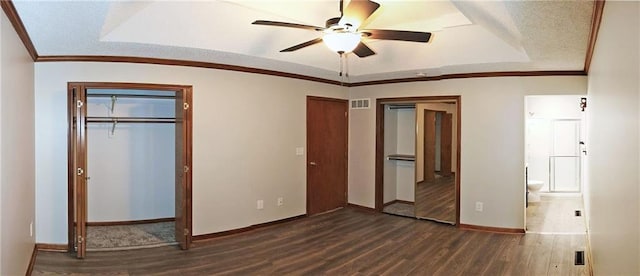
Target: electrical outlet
{"x":280,"y":201}
{"x":260,"y":204}
{"x":479,"y":206}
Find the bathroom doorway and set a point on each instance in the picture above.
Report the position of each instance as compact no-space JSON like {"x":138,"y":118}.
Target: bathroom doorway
{"x":554,"y":150}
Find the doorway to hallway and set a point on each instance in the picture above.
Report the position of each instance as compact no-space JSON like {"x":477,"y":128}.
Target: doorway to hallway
{"x":554,"y":146}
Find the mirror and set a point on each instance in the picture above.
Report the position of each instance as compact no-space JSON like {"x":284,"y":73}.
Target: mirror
{"x":436,"y":137}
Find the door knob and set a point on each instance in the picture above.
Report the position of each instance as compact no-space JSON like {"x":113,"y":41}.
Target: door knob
{"x":312,"y":163}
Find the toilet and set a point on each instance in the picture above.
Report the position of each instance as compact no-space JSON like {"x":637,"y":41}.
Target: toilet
{"x":534,"y":186}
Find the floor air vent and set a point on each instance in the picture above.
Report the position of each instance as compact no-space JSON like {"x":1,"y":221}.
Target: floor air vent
{"x":578,"y":213}
{"x":360,"y":103}
{"x":579,"y":258}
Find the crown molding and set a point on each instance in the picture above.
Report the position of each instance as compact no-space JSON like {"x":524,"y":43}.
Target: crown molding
{"x":596,"y":18}
{"x":474,"y":75}
{"x":187,"y":63}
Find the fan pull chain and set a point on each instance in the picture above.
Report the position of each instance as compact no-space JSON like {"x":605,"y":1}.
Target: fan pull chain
{"x":346,"y":66}
{"x":340,"y":60}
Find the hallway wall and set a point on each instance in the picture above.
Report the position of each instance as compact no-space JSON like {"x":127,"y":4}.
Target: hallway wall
{"x":17,"y":183}
{"x":612,"y":194}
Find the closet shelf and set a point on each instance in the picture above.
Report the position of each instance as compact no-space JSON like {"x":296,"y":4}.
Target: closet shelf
{"x":131,"y":120}
{"x":131,"y":96}
{"x":401,"y":157}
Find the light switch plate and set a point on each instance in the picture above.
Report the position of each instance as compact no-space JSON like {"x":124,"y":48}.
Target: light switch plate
{"x":299,"y":151}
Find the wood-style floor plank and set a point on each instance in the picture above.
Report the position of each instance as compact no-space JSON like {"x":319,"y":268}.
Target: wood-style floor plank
{"x":344,"y":242}
{"x":436,"y":199}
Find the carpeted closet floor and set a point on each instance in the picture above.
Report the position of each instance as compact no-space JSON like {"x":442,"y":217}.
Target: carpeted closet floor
{"x":122,"y":237}
{"x":400,"y":209}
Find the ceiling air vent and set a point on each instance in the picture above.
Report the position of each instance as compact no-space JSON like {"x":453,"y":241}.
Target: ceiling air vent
{"x":360,"y":103}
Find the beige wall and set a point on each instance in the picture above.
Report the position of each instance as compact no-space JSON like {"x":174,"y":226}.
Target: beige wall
{"x":492,"y":161}
{"x":612,"y":192}
{"x":17,"y":183}
{"x":246,"y":128}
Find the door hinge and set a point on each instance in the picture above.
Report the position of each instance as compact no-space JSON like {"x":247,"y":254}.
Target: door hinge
{"x":583,"y":103}
{"x":79,"y":103}
{"x":345,"y":114}
{"x":186,"y":169}
{"x":186,"y":106}
{"x":80,"y":171}
{"x":186,"y":232}
{"x":80,"y":239}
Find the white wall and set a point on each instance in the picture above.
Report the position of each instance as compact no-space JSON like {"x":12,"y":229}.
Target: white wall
{"x":554,"y":106}
{"x":390,"y":186}
{"x":399,"y":176}
{"x":134,"y":166}
{"x":406,"y":171}
{"x":17,"y":183}
{"x":612,"y":193}
{"x":492,"y":164}
{"x":245,"y":131}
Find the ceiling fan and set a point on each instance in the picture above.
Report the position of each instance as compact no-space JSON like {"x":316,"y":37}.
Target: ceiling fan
{"x":343,"y":34}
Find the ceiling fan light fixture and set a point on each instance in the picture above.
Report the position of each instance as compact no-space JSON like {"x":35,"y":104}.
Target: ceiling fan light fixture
{"x":342,"y":42}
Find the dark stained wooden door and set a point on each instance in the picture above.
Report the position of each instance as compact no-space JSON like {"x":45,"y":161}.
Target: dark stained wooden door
{"x":429,"y":145}
{"x":446,"y":133}
{"x":183,"y":168}
{"x":77,"y":190}
{"x":327,"y":135}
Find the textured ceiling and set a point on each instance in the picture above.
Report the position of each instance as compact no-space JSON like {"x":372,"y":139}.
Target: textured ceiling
{"x":468,"y":36}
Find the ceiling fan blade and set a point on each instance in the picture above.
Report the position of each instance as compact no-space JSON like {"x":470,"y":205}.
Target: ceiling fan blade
{"x":399,"y":35}
{"x":363,"y":50}
{"x":286,"y":24}
{"x":357,"y":12}
{"x":302,"y":45}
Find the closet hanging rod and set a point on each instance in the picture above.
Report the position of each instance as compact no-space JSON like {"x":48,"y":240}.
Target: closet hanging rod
{"x":131,"y":96}
{"x":401,"y":157}
{"x":130,"y":120}
{"x":405,"y":106}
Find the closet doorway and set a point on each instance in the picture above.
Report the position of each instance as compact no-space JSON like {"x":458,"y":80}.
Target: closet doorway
{"x":135,"y":139}
{"x":418,"y":157}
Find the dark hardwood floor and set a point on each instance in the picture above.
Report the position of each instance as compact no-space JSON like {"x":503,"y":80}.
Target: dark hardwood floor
{"x":345,"y":242}
{"x":437,"y":199}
